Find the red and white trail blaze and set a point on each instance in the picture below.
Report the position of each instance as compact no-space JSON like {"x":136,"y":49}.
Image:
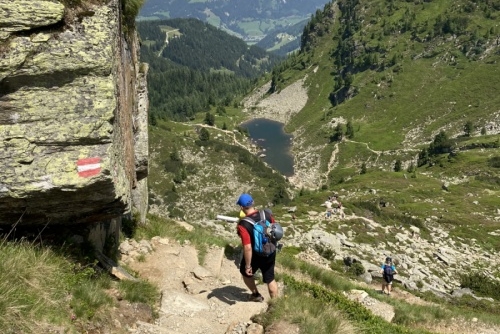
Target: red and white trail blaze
{"x":89,"y":166}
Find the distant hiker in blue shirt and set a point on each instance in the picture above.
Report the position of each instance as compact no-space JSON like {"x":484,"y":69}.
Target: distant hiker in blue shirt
{"x":388,"y":271}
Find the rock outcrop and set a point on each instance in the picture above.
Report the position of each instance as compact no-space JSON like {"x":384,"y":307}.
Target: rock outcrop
{"x":73,"y":114}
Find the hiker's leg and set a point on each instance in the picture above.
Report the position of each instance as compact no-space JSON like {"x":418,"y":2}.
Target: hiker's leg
{"x":389,"y":287}
{"x":267,"y":269}
{"x":273,"y":289}
{"x":250,"y":283}
{"x":248,"y":280}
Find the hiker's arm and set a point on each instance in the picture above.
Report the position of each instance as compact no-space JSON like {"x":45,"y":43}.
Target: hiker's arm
{"x":247,"y":254}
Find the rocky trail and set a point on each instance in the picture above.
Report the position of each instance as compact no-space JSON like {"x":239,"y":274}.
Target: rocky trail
{"x":212,"y":298}
{"x":208,"y":299}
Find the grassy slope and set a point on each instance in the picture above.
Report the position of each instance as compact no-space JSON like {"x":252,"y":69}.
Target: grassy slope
{"x":425,"y":92}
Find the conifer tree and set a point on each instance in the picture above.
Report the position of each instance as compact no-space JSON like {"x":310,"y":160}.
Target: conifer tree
{"x":204,"y":135}
{"x":397,"y":165}
{"x":209,"y":119}
{"x":349,"y":132}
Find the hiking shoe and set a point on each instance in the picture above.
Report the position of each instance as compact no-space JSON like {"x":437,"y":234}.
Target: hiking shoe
{"x":256,"y":297}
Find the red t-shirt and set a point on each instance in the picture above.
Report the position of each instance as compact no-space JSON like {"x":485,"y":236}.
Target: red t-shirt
{"x":243,"y":232}
{"x":244,"y":235}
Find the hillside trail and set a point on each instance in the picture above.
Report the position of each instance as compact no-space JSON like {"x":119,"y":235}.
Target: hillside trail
{"x":246,"y":145}
{"x":209,"y":298}
{"x":212,"y":299}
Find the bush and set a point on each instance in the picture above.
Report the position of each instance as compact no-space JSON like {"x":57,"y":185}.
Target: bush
{"x":130,"y":9}
{"x":325,"y":252}
{"x":204,"y":135}
{"x":356,"y":269}
{"x":494,"y":162}
{"x":481,"y":284}
{"x":363,"y":206}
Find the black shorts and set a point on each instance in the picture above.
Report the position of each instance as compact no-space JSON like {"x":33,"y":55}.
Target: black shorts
{"x":265,"y":264}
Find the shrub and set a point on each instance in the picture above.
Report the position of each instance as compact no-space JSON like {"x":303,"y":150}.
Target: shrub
{"x":204,"y":135}
{"x":481,"y":284}
{"x":356,"y":269}
{"x":494,"y":162}
{"x":130,"y":9}
{"x":325,"y":252}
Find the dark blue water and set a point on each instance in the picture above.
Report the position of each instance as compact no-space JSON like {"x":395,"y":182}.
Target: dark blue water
{"x":277,"y":144}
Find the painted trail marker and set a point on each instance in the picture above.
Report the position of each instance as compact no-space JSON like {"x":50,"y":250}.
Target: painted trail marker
{"x":89,"y":166}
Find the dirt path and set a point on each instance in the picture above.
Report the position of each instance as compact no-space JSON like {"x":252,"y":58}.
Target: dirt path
{"x":208,"y":299}
{"x":332,"y":163}
{"x":247,"y":146}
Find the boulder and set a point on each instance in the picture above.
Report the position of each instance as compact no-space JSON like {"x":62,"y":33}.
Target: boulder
{"x":73,"y":120}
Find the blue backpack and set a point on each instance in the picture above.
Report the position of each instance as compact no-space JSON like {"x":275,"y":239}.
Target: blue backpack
{"x":388,"y":272}
{"x":262,"y":243}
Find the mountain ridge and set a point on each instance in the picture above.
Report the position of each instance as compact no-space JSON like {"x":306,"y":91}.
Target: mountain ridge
{"x":251,"y":21}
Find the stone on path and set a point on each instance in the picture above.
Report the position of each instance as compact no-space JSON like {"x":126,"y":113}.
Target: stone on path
{"x":174,"y":302}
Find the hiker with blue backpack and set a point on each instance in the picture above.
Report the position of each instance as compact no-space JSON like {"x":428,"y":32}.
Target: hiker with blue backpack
{"x":259,"y":235}
{"x":388,"y":271}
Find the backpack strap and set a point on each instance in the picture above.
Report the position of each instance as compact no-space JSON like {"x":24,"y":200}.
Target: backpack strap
{"x":248,"y":224}
{"x":248,"y":220}
{"x":262,"y":215}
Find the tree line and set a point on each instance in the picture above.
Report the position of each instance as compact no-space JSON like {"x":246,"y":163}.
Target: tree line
{"x":203,"y":68}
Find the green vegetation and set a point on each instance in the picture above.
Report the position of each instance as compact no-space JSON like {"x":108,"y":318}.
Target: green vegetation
{"x":482,"y":284}
{"x":310,"y":314}
{"x":264,"y":23}
{"x":177,"y":176}
{"x":40,"y":280}
{"x":184,"y":80}
{"x":130,"y":10}
{"x":384,"y":101}
{"x":215,"y":49}
{"x":400,"y":79}
{"x":201,"y":238}
{"x":58,"y":286}
{"x":412,"y":87}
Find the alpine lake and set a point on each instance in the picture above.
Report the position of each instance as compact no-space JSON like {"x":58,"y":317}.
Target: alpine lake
{"x":274,"y":143}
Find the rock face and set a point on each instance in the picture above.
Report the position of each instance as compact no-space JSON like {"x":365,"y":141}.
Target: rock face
{"x":73,"y":114}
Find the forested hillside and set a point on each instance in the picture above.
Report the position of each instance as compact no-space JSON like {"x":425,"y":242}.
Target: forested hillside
{"x":250,"y":20}
{"x":282,"y":41}
{"x":194,"y":66}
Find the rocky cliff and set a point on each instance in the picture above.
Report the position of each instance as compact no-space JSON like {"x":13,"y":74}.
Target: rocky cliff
{"x":73,"y":113}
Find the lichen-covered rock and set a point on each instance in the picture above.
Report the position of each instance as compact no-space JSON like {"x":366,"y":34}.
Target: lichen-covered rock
{"x":69,"y":115}
{"x":19,"y":15}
